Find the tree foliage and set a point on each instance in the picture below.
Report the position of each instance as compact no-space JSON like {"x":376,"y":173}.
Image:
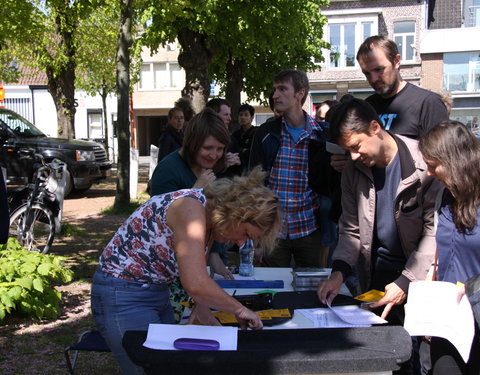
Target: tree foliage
{"x":270,"y":36}
{"x":49,"y":44}
{"x":96,"y":51}
{"x":96,"y":65}
{"x":19,"y":19}
{"x":241,"y":43}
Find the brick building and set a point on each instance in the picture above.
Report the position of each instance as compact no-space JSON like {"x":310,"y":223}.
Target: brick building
{"x":450,"y":53}
{"x":349,"y":24}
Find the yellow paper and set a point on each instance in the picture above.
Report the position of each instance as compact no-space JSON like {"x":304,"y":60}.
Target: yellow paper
{"x":227,"y":318}
{"x":372,"y":295}
{"x":280,"y":313}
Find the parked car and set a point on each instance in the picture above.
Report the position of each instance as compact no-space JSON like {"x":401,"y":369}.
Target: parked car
{"x":86,"y":161}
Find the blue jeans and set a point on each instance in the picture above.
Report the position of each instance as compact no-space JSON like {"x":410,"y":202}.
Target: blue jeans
{"x":120,"y":305}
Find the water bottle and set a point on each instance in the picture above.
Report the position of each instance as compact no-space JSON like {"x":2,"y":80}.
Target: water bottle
{"x":246,"y":259}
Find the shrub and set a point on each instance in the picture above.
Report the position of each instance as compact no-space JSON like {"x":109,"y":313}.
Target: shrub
{"x":26,"y":282}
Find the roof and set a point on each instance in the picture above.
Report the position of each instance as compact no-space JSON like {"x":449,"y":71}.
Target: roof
{"x":30,"y":77}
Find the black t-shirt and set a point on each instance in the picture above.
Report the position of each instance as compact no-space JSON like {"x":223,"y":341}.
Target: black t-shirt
{"x":411,"y":112}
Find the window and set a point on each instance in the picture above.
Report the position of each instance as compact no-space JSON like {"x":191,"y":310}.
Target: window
{"x":161,"y":76}
{"x":404,"y":37}
{"x":95,"y":122}
{"x":472,"y":13}
{"x":342,"y":41}
{"x":345,"y":34}
{"x":461,"y":71}
{"x":468,"y":116}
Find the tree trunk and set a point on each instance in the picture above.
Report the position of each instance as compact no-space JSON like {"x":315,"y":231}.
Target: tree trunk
{"x":62,"y":89}
{"x":61,"y":79}
{"x":195,"y":58}
{"x":122,"y":197}
{"x":234,"y":87}
{"x":105,"y":120}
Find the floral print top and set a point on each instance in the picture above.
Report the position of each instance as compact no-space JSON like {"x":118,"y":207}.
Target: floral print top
{"x":142,"y":249}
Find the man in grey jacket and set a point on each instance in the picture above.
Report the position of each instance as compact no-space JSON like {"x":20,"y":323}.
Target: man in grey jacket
{"x":386,"y":229}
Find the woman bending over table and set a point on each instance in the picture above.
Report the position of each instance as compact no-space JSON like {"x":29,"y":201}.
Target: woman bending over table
{"x":168,"y":237}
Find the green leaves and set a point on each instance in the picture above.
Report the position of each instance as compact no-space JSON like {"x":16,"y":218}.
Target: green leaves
{"x":265,"y":36}
{"x":26,"y":280}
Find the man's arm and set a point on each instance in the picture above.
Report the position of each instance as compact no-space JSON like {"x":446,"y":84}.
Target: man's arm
{"x":348,"y":247}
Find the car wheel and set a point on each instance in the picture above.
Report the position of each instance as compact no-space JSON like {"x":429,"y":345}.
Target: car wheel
{"x":83,"y":189}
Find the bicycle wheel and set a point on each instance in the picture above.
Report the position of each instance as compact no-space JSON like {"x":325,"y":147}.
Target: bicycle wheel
{"x":39,"y":236}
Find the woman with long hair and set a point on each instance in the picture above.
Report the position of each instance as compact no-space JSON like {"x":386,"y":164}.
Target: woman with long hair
{"x":452,"y":154}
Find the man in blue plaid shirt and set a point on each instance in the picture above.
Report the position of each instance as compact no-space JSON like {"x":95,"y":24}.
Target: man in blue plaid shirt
{"x":291,"y":148}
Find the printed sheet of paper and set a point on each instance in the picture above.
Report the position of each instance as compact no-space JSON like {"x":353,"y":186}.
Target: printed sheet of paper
{"x":432,"y":310}
{"x":162,"y":336}
{"x":341,"y":317}
{"x":356,"y":315}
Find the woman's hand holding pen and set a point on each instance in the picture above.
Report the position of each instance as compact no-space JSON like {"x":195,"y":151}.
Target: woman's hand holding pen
{"x":328,"y":290}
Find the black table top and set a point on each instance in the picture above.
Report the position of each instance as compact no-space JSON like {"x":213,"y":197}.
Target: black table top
{"x":286,"y":351}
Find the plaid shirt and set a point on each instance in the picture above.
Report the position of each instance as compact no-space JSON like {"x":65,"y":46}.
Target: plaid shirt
{"x":289,"y":180}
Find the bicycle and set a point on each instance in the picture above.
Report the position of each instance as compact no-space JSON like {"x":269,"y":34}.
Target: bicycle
{"x":36,"y":208}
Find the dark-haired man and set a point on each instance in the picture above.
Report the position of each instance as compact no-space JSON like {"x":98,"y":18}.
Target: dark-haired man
{"x":243,"y":137}
{"x":386,"y":230}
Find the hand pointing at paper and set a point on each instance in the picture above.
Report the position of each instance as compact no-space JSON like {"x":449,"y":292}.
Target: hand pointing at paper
{"x":394,"y":295}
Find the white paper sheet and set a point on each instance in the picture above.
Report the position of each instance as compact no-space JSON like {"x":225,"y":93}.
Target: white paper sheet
{"x":162,"y":336}
{"x":432,"y":310}
{"x":356,"y":315}
{"x":341,"y":316}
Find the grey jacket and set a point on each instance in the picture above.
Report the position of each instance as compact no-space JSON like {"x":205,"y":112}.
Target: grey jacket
{"x":414,"y":216}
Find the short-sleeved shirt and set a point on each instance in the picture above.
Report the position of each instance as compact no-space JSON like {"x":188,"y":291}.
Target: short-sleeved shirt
{"x":143,"y":247}
{"x":411,"y":112}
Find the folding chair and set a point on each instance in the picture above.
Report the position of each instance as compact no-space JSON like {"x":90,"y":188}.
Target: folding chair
{"x":91,"y":341}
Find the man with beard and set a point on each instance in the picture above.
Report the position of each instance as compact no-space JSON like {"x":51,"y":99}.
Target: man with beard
{"x":405,"y":109}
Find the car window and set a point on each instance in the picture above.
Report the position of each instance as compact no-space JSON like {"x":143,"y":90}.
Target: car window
{"x":19,"y":125}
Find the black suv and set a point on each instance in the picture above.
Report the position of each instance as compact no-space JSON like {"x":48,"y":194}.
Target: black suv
{"x":86,"y":161}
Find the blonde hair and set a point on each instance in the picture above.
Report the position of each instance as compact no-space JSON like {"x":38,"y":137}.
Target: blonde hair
{"x":447,"y":99}
{"x":245,"y":199}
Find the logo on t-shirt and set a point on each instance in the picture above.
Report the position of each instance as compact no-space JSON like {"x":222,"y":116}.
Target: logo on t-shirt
{"x":387,"y":119}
